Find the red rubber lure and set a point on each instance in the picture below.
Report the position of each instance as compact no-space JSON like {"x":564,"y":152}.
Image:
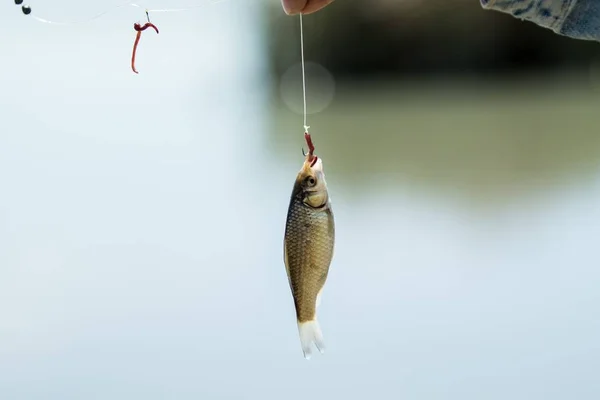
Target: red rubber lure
{"x":311,"y":149}
{"x":139,"y":29}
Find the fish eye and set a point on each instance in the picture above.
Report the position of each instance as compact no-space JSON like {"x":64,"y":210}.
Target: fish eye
{"x":310,"y":181}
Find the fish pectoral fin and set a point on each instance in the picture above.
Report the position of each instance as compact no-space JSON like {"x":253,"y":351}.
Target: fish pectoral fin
{"x":310,"y":332}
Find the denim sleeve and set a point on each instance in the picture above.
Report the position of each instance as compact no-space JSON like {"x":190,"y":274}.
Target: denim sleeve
{"x":578,"y":19}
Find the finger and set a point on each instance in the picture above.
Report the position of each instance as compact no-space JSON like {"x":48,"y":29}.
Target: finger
{"x":292,"y":7}
{"x":315,"y":5}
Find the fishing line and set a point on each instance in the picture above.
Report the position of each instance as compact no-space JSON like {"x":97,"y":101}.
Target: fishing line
{"x":127,"y":3}
{"x":46,"y":21}
{"x":303,"y":73}
{"x":311,"y":148}
{"x":180,"y":9}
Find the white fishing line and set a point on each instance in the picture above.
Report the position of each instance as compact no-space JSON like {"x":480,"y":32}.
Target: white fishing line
{"x":127,"y":3}
{"x":47,"y":21}
{"x":303,"y":74}
{"x":179,"y":9}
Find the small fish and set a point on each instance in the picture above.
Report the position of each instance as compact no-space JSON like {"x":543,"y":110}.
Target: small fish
{"x":308,"y":247}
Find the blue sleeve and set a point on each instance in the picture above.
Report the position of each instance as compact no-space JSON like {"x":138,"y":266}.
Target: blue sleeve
{"x":578,"y":19}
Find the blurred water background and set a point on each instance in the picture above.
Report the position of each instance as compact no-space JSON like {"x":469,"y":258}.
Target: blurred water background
{"x":142,"y":216}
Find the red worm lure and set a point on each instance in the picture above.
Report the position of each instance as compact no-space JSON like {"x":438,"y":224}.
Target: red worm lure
{"x":139,"y":29}
{"x":311,"y":149}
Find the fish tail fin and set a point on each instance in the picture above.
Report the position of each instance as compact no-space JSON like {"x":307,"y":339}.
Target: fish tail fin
{"x":310,"y":332}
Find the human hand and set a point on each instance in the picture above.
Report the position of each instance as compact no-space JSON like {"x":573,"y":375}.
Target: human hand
{"x":292,"y":7}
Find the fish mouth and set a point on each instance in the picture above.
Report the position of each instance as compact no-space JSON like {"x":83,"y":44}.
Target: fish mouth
{"x":312,"y":164}
{"x":317,"y":164}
